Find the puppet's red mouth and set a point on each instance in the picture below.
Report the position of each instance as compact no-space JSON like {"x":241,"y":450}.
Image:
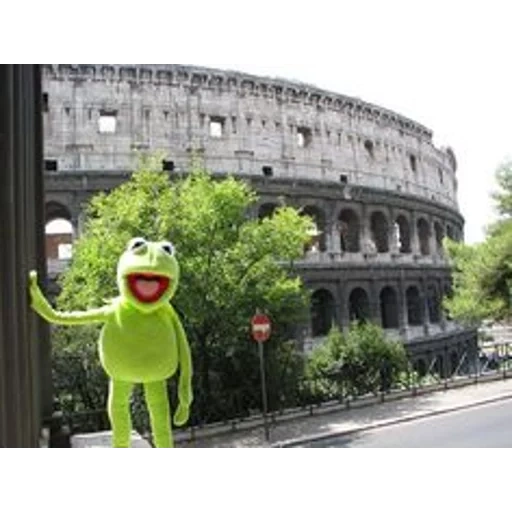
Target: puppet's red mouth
{"x":147,"y":287}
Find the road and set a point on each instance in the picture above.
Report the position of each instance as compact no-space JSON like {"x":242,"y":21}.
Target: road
{"x":487,"y":426}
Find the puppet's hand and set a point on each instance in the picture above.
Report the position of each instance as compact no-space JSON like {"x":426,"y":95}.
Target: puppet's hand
{"x":38,"y":301}
{"x":181,"y":416}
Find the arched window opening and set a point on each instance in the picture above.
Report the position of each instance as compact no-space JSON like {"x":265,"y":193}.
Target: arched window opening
{"x":379,"y":230}
{"x":359,"y":305}
{"x":266,"y":210}
{"x":59,"y":232}
{"x":433,"y":304}
{"x":454,"y":362}
{"x":322,"y":312}
{"x":414,"y":306}
{"x":318,"y":241}
{"x":448,"y":293}
{"x":389,"y":308}
{"x":439,"y":233}
{"x":420,"y":367}
{"x":59,"y":239}
{"x":424,"y":237}
{"x":349,"y":231}
{"x":403,"y":235}
{"x":439,"y":368}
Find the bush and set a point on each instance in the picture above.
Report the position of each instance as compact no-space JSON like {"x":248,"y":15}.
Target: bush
{"x":363,"y":361}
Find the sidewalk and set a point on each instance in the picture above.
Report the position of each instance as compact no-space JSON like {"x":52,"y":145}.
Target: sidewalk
{"x":334,"y":420}
{"x":295,"y":432}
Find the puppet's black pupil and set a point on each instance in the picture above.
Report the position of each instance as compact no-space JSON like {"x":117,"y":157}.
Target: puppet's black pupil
{"x":168,"y":249}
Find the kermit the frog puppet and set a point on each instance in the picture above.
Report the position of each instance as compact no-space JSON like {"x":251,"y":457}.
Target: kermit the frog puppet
{"x":142,"y":339}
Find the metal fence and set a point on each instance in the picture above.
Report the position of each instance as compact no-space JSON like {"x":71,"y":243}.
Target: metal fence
{"x":233,"y":411}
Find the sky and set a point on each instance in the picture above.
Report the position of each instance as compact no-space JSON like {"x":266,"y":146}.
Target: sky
{"x":467,"y":106}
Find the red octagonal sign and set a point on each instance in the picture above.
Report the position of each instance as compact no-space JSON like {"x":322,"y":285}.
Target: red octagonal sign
{"x":261,"y":327}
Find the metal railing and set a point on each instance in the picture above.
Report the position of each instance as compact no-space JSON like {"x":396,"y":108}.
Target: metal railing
{"x":426,"y":372}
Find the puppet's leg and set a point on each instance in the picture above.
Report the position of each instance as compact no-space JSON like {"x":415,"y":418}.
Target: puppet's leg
{"x":119,"y":413}
{"x":159,"y":412}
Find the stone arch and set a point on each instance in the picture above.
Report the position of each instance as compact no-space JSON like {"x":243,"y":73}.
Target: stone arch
{"x":55,"y":210}
{"x":414,"y":306}
{"x":379,"y":229}
{"x":358,"y":305}
{"x":439,"y":367}
{"x":322,"y":312}
{"x":59,"y":231}
{"x":439,"y":235}
{"x":447,"y":289}
{"x":454,"y":362}
{"x":424,"y":236}
{"x":267,"y":210}
{"x":403,"y":234}
{"x":318,"y":242}
{"x":434,"y":304}
{"x":389,"y":307}
{"x":349,"y":230}
{"x":449,"y":232}
{"x":447,"y":292}
{"x":420,"y":366}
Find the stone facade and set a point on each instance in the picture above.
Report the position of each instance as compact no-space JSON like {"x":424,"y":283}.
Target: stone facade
{"x":382,"y":195}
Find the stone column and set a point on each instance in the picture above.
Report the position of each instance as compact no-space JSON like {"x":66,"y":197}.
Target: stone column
{"x":402,"y":307}
{"x":432,"y":238}
{"x":415,"y":240}
{"x":343,"y":307}
{"x":424,"y":298}
{"x":365,"y":232}
{"x":335,"y":239}
{"x":327,"y":230}
{"x":375,"y":315}
{"x":393,"y":241}
{"x":77,"y":220}
{"x":442,"y":314}
{"x":25,"y":361}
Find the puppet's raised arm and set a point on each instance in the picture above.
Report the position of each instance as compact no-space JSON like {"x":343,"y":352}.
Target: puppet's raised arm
{"x":185,"y":394}
{"x":42,"y":306}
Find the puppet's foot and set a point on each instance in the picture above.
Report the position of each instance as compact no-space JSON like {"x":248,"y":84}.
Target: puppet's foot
{"x":119,"y":413}
{"x":159,"y":412}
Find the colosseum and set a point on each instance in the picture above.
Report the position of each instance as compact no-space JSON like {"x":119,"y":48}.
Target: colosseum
{"x":382,"y":195}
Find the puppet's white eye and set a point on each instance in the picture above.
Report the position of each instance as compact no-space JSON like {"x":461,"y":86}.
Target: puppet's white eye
{"x":136,"y":243}
{"x":168,"y":248}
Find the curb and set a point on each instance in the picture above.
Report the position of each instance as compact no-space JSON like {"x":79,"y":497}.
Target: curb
{"x":291,"y":443}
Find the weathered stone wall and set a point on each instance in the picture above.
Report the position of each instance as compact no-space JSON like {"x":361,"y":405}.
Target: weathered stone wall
{"x":382,"y":195}
{"x":239,"y":123}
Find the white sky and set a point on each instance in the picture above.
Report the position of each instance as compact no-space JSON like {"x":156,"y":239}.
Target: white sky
{"x":59,"y":227}
{"x":467,"y":106}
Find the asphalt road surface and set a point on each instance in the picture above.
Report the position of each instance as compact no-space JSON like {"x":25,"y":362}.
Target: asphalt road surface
{"x":487,"y":426}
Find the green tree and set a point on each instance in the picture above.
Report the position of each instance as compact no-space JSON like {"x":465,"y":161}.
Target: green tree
{"x":231,"y":264}
{"x":482,"y":273}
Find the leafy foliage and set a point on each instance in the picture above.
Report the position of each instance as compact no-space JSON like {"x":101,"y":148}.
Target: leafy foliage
{"x":230,"y":265}
{"x":362,"y":361}
{"x":482,"y":273}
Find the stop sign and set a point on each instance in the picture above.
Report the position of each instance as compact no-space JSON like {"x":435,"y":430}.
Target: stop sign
{"x":261,"y":327}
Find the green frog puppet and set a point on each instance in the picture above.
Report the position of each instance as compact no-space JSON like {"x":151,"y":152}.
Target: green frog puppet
{"x":142,"y":339}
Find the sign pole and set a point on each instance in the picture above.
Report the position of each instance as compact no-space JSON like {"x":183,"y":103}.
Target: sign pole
{"x":264,"y":392}
{"x":261,"y":328}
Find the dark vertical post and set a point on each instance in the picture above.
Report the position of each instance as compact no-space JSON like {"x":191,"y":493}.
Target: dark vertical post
{"x":264,"y":391}
{"x":25,"y":383}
